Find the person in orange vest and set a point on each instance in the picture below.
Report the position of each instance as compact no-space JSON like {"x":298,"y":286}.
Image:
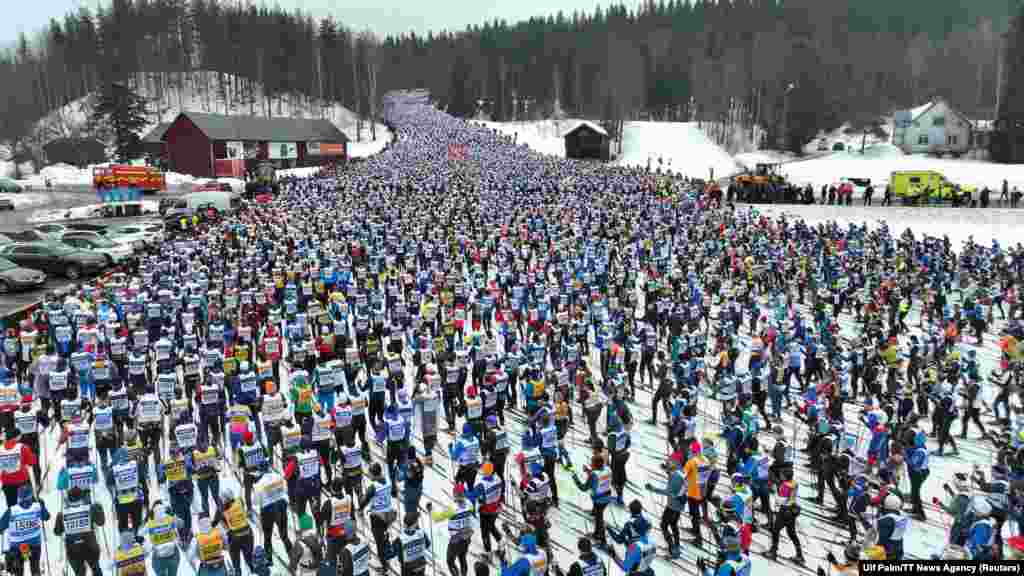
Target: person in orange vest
{"x":696,"y":471}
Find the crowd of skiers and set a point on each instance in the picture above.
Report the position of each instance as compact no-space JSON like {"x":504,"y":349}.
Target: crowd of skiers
{"x":314,"y":349}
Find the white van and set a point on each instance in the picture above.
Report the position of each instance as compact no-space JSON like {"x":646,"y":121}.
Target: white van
{"x":224,"y":202}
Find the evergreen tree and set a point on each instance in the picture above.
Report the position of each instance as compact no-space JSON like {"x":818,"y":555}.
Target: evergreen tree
{"x":123,"y":112}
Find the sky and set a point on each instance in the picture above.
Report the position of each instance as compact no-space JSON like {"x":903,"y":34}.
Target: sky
{"x":382,"y":16}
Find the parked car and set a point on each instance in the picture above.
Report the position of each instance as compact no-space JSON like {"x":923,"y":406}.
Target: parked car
{"x":114,"y":252}
{"x":54,"y":258}
{"x":838,"y":147}
{"x":9,"y":186}
{"x":28,"y":236}
{"x":51,"y":231}
{"x":5,"y":239}
{"x":140,"y":235}
{"x":6,"y":204}
{"x":15,"y":277}
{"x":73,"y":233}
{"x":822,"y":145}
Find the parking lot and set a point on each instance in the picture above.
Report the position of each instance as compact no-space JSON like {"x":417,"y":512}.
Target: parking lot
{"x":16,"y":220}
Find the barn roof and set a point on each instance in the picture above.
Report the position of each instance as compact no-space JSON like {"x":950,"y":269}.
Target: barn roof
{"x":590,"y":125}
{"x":258,"y":128}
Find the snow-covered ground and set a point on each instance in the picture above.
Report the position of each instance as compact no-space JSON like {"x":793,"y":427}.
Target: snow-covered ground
{"x":680,"y":146}
{"x":64,"y":175}
{"x":28,"y":199}
{"x":881,"y":160}
{"x":676,"y":146}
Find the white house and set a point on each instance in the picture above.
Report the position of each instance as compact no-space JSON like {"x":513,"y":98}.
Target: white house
{"x":934,"y":128}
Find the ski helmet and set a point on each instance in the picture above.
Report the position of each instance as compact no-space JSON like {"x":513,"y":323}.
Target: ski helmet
{"x":412,"y":519}
{"x":25,"y":495}
{"x":226,"y":495}
{"x":584,"y":546}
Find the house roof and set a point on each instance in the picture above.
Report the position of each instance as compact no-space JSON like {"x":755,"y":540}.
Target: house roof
{"x":590,"y":125}
{"x":916,"y":113}
{"x":81,"y":142}
{"x":257,"y":128}
{"x":156,"y":135}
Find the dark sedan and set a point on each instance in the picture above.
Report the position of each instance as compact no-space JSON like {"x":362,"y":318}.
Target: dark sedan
{"x":53,"y":258}
{"x":14,"y":277}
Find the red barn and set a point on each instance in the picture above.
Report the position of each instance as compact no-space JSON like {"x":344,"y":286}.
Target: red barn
{"x":212,"y":145}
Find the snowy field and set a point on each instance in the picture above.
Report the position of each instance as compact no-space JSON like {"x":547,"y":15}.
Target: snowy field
{"x":1004,"y":225}
{"x":681,"y":146}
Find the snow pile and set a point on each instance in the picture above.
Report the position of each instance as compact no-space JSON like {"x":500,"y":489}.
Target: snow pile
{"x":299,"y":172}
{"x":885,"y":159}
{"x":27,"y":199}
{"x":544,"y":136}
{"x":958,"y":223}
{"x":64,"y":175}
{"x":368,"y":147}
{"x":682,"y":146}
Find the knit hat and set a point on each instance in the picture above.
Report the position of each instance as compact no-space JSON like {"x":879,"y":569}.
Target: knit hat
{"x":305,"y":522}
{"x":487,"y":469}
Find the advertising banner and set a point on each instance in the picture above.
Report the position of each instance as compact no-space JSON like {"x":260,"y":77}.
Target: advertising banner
{"x":229,"y":168}
{"x":325,"y":149}
{"x":234,"y":150}
{"x":457,"y":151}
{"x":283,"y":151}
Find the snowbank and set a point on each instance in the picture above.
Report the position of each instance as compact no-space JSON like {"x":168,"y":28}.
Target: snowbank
{"x":299,"y":172}
{"x":957,"y":223}
{"x":885,"y":159}
{"x":64,"y":175}
{"x":682,"y":145}
{"x":149,"y":207}
{"x":544,"y":136}
{"x":368,"y":147}
{"x":27,"y":199}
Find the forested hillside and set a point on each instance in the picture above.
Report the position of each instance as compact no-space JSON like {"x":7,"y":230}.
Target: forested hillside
{"x":845,"y":59}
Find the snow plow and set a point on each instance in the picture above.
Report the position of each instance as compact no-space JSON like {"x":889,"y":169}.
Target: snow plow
{"x":926,"y":187}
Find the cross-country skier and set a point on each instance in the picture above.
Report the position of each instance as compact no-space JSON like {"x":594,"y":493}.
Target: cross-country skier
{"x":676,"y":492}
{"x":466,"y":452}
{"x":640,"y":550}
{"x":78,"y":522}
{"x":588,"y":564}
{"x":270,"y":497}
{"x":532,"y":562}
{"x":412,"y":547}
{"x":24,"y":524}
{"x":382,"y":508}
{"x":162,"y":526}
{"x":240,"y":537}
{"x":598,"y":483}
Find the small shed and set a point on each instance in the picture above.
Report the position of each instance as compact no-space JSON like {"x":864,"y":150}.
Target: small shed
{"x":153,"y":142}
{"x":587,"y":141}
{"x":79,"y":152}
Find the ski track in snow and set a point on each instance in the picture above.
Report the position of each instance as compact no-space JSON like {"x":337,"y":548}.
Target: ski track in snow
{"x":568,"y":523}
